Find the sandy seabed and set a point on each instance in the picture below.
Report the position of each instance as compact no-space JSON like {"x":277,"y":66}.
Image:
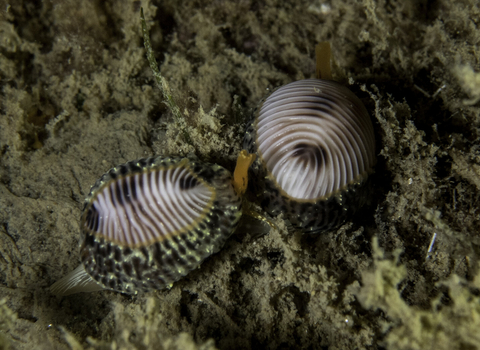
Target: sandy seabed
{"x":78,"y":97}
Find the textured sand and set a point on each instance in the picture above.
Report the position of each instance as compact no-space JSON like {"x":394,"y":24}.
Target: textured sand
{"x":77,"y":97}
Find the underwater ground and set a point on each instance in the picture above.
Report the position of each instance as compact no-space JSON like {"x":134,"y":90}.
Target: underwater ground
{"x":78,"y":97}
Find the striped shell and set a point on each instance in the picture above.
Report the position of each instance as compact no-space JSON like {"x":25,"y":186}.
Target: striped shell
{"x":149,"y":222}
{"x":315,"y":148}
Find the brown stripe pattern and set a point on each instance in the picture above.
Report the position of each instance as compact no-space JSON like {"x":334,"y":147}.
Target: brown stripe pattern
{"x":150,"y":206}
{"x":315,"y":137}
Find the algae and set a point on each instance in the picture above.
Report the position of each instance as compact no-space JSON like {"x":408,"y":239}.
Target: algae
{"x":78,"y":97}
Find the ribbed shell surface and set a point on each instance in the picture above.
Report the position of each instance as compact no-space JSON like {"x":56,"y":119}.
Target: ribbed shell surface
{"x":149,"y":222}
{"x":315,"y":145}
